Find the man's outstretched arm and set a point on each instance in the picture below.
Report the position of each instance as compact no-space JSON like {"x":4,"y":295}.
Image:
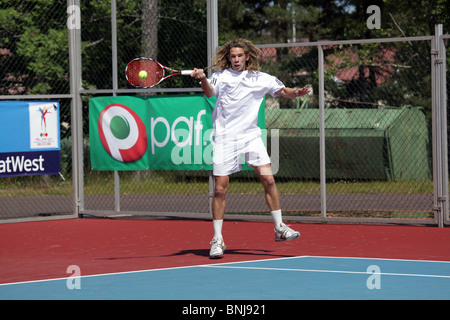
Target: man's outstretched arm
{"x":290,"y":93}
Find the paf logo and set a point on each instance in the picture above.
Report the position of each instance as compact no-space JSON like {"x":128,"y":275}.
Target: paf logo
{"x":122,"y":133}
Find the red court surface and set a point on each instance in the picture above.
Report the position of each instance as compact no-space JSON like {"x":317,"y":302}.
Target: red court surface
{"x":44,"y":250}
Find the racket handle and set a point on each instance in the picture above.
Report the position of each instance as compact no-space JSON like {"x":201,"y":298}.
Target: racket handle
{"x":186,"y":72}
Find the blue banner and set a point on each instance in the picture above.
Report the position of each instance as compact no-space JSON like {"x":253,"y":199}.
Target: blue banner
{"x":30,"y":138}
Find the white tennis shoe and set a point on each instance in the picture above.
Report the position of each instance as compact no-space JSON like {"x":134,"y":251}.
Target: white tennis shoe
{"x":217,"y":248}
{"x":284,"y":233}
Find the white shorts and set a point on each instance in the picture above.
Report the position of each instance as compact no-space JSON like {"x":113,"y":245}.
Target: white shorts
{"x":228,"y":156}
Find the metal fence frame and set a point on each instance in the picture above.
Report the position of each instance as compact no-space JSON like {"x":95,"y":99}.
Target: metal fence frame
{"x":439,"y":125}
{"x":440,"y":179}
{"x":442,"y":93}
{"x":439,"y":140}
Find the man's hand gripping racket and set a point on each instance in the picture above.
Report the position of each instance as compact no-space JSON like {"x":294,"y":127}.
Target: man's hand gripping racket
{"x":147,"y":73}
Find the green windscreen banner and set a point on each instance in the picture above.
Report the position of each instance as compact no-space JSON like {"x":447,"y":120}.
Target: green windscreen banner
{"x":153,"y":133}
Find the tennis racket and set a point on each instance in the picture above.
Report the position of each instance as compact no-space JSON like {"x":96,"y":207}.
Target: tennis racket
{"x":154,"y":74}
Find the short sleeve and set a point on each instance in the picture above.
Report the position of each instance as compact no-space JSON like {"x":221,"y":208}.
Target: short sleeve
{"x":214,"y":80}
{"x":275,"y":85}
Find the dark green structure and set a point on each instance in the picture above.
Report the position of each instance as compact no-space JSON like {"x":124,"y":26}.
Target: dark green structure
{"x":390,"y":144}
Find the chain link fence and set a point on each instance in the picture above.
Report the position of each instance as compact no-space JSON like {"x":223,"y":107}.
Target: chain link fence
{"x":169,"y":31}
{"x":378,"y":141}
{"x":34,"y":48}
{"x":377,"y":154}
{"x":45,"y":195}
{"x":34,"y":64}
{"x":175,"y":35}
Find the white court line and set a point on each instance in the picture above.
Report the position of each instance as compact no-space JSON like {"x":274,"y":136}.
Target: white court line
{"x":140,"y":271}
{"x":381,"y":259}
{"x":223,"y":265}
{"x":327,"y":257}
{"x":331,"y":271}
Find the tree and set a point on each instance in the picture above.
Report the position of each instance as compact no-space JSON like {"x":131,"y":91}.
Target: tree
{"x":34,"y":47}
{"x":150,"y":28}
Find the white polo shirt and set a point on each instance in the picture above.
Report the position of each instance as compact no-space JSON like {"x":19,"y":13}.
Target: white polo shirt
{"x":239,"y":97}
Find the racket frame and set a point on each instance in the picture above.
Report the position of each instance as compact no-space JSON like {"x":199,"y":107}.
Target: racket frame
{"x":163,"y":68}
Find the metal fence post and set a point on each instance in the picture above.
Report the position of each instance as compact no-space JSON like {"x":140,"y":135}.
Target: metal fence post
{"x":76,"y":113}
{"x":213,"y":42}
{"x":439,"y":130}
{"x":323,"y":192}
{"x":440,"y":64}
{"x":444,"y":97}
{"x":115,"y":87}
{"x":212,"y":29}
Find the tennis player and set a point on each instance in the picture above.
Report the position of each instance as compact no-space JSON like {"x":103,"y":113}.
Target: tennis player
{"x":240,"y":87}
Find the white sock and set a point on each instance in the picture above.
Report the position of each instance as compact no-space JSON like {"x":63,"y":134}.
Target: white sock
{"x":217,"y":224}
{"x":277,"y":218}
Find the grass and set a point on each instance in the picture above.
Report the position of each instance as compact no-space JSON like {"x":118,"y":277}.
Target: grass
{"x":98,"y":183}
{"x":309,"y":187}
{"x":173,"y":183}
{"x":374,"y":214}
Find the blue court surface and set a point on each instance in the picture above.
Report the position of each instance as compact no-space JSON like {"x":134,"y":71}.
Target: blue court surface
{"x":295,"y":278}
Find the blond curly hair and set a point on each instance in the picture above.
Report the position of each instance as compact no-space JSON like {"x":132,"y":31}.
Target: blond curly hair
{"x":221,"y":61}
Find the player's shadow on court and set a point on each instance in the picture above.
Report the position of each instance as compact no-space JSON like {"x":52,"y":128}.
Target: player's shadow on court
{"x":244,"y":252}
{"x":205,"y":253}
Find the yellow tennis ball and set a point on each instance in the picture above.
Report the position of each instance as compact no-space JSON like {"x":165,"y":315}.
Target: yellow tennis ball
{"x":143,"y":74}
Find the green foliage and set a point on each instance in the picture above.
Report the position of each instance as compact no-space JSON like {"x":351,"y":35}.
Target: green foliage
{"x":35,"y":47}
{"x":34,"y":56}
{"x":42,"y":51}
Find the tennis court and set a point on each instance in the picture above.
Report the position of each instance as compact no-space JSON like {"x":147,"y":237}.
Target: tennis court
{"x":168,"y":260}
{"x":294,"y":278}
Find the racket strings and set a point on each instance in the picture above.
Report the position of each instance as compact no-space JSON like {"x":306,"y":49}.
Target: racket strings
{"x":154,"y":73}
